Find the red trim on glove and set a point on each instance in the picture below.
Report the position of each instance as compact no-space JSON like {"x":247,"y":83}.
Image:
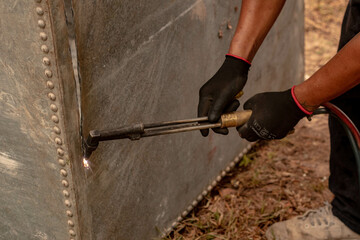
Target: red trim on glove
{"x":239,"y":58}
{"x":298,"y":104}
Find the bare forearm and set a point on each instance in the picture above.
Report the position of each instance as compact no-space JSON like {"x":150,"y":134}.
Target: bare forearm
{"x":255,"y":21}
{"x":339,"y":75}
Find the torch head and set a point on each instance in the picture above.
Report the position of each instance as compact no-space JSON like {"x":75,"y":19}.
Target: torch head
{"x":91,"y":143}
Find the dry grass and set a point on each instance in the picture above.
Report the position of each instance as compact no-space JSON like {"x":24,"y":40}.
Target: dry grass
{"x":278,"y":179}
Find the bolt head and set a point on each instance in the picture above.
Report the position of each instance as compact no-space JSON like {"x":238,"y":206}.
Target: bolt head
{"x":63,"y":173}
{"x":48,"y":73}
{"x":50,"y":84}
{"x":55,"y":119}
{"x":66,"y":193}
{"x":61,"y":162}
{"x":72,"y":233}
{"x":56,"y":130}
{"x":41,"y":23}
{"x":60,"y":152}
{"x":58,"y":141}
{"x":44,"y":48}
{"x":46,"y":61}
{"x":39,"y":11}
{"x":53,"y":107}
{"x":71,"y":223}
{"x":69,"y":213}
{"x":51,"y":96}
{"x":67,"y":203}
{"x":65,"y":183}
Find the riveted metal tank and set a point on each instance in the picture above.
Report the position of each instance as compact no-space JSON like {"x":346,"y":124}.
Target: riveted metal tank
{"x":138,"y":61}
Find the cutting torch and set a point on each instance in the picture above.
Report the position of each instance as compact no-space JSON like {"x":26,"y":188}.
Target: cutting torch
{"x":140,"y":130}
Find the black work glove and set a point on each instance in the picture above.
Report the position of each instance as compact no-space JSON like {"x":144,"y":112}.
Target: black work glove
{"x":274,"y":115}
{"x":217,"y":96}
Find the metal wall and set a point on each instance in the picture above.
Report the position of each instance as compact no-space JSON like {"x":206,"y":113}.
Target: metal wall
{"x":36,"y":99}
{"x":144,"y":61}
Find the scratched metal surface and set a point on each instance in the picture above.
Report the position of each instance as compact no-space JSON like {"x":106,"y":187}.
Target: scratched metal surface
{"x":144,"y":61}
{"x":32,"y":204}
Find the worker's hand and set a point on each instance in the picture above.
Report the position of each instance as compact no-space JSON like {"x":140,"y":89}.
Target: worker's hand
{"x":274,"y":115}
{"x":217,"y":95}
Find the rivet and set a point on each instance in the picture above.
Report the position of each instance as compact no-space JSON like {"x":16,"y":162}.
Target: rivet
{"x":56,"y":130}
{"x":179,"y":219}
{"x":237,"y":159}
{"x":65,"y":183}
{"x":244,"y":151}
{"x":67,"y":203}
{"x":48,"y":73}
{"x":70,"y":223}
{"x":50,"y":84}
{"x":43,"y":36}
{"x":72,"y":232}
{"x":51,"y":96}
{"x":53,"y":107}
{"x":204,"y":193}
{"x":60,"y":152}
{"x":63,"y":172}
{"x":55,"y":119}
{"x":223,"y":173}
{"x":174,"y":224}
{"x":232,"y":164}
{"x":44,"y":48}
{"x":218,"y":178}
{"x":66,"y":193}
{"x":41,"y":23}
{"x":69,"y":213}
{"x":199,"y":198}
{"x":227,"y":169}
{"x":46,"y":61}
{"x":168,"y":230}
{"x":39,"y":11}
{"x":184,"y":213}
{"x":189,"y":208}
{"x":214,"y":183}
{"x":194,"y":203}
{"x":58,"y":141}
{"x":61,"y":162}
{"x":249,"y":147}
{"x":209,"y":188}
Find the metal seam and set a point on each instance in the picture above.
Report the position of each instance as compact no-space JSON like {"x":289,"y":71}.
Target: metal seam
{"x":58,"y":140}
{"x":208,"y":189}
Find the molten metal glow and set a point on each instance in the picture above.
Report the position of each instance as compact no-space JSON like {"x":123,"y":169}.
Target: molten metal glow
{"x":86,"y":163}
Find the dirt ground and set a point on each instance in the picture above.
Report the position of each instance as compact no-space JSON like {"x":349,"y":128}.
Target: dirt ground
{"x":278,"y":179}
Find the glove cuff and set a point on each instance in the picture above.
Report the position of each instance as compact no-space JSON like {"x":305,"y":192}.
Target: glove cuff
{"x":297,"y":102}
{"x":237,"y":57}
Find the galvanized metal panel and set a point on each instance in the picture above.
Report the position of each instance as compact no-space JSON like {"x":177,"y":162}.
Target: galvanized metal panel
{"x":37,"y":201}
{"x":144,"y":61}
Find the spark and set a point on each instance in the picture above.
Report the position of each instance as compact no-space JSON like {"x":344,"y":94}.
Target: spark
{"x":86,"y":163}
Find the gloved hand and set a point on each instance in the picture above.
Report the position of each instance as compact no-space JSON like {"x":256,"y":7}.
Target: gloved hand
{"x":274,"y":115}
{"x":217,"y":95}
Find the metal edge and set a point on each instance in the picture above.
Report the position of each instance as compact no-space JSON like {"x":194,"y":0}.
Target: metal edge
{"x":208,"y":189}
{"x":51,"y":72}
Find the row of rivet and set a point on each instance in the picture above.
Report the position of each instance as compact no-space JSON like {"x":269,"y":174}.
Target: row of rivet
{"x":201,"y":196}
{"x":54,"y":118}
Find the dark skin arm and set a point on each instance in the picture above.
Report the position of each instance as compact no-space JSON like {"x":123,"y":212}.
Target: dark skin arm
{"x":339,"y":75}
{"x":256,"y":19}
{"x":336,"y":77}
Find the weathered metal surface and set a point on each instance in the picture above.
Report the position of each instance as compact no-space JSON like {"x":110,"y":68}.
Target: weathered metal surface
{"x":36,"y":97}
{"x":144,"y":61}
